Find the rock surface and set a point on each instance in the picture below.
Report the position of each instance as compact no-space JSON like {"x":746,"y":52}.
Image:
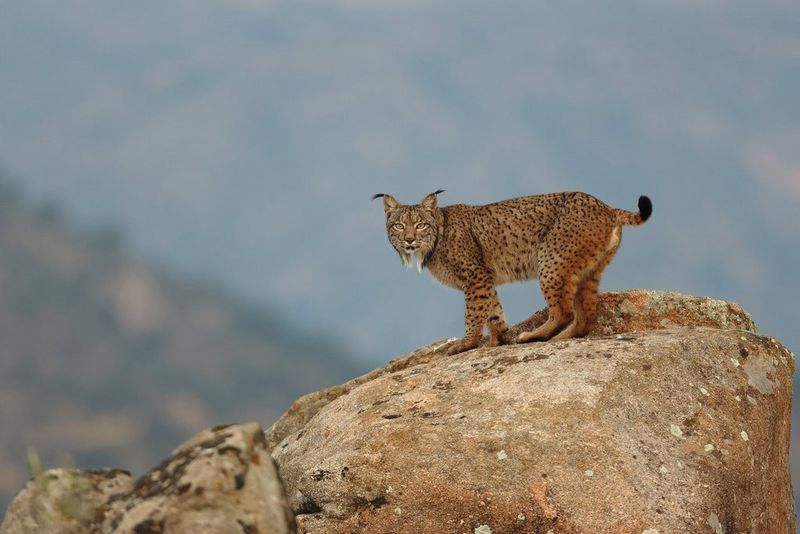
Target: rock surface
{"x":676,"y":421}
{"x":222,"y":480}
{"x":673,"y":416}
{"x":64,"y":501}
{"x":617,"y":312}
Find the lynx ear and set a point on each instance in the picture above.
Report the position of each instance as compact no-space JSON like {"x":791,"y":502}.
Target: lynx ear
{"x":389,"y":203}
{"x":429,"y":202}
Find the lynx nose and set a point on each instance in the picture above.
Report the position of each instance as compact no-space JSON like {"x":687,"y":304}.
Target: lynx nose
{"x":410,"y":240}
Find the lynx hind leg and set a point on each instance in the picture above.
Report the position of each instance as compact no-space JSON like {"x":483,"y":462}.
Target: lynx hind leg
{"x":586,"y":297}
{"x":590,"y":290}
{"x":585,"y":309}
{"x":565,"y":259}
{"x":559,"y":292}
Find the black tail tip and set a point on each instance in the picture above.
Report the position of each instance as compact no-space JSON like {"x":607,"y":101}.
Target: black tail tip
{"x":645,"y":208}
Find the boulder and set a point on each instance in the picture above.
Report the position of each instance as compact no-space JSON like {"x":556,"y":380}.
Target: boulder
{"x":617,"y":312}
{"x":222,"y":480}
{"x":64,"y":501}
{"x":673,"y":416}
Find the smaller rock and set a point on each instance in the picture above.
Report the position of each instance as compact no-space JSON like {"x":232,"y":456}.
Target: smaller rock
{"x":221,"y":480}
{"x":64,"y":501}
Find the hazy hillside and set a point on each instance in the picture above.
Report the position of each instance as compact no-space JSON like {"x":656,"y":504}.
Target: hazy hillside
{"x":242,"y":139}
{"x":115,"y":363}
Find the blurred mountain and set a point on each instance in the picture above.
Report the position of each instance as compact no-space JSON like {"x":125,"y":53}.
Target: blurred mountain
{"x":240,"y":140}
{"x":115,"y":362}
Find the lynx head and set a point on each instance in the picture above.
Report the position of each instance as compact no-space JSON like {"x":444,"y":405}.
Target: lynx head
{"x":414,"y":229}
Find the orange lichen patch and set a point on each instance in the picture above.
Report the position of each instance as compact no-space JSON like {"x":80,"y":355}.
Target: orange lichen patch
{"x":538,"y":492}
{"x":639,"y":310}
{"x":437,"y":506}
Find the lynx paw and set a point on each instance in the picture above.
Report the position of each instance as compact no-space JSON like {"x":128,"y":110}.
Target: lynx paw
{"x":498,"y":338}
{"x":462,"y":345}
{"x":507,"y":338}
{"x":527,"y":337}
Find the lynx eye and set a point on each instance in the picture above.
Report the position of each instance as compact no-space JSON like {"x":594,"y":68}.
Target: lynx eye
{"x":422,"y":226}
{"x":398,"y":226}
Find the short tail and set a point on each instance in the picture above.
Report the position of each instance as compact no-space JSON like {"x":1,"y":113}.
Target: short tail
{"x":632,"y":218}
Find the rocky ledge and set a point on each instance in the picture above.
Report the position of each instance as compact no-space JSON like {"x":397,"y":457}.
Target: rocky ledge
{"x":672,"y":416}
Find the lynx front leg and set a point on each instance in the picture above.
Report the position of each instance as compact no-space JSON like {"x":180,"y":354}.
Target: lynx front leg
{"x":478,"y":303}
{"x":498,"y":327}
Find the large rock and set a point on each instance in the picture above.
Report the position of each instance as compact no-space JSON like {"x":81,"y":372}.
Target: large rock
{"x":617,"y":312}
{"x":222,"y":480}
{"x":680,"y":427}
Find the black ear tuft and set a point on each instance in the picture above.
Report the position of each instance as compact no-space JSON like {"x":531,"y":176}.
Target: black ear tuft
{"x":645,"y":208}
{"x":438,"y":191}
{"x":379,"y":195}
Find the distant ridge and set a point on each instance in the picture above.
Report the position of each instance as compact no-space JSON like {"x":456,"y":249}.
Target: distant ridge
{"x":113,"y":361}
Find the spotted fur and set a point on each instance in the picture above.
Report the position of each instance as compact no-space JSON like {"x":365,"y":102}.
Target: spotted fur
{"x":564,"y":239}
